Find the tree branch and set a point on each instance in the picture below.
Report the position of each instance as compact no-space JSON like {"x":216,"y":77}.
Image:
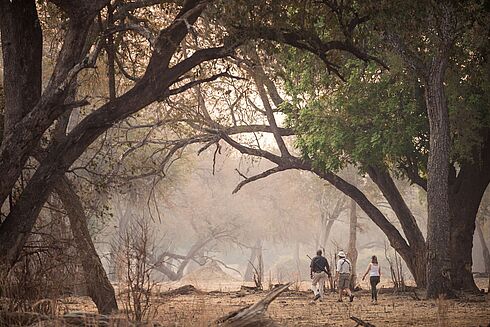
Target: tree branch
{"x":259,"y":176}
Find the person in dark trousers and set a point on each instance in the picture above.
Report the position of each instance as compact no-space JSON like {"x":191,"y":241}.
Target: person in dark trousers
{"x":374,"y":271}
{"x":319,"y":272}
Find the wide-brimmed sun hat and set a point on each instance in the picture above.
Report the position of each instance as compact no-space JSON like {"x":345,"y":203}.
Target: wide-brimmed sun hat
{"x":341,"y":254}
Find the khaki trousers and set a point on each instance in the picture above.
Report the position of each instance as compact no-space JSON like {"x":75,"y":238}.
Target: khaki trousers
{"x":318,"y":283}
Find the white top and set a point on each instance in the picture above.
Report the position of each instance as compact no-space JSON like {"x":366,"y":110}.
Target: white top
{"x":374,"y":269}
{"x":343,"y":266}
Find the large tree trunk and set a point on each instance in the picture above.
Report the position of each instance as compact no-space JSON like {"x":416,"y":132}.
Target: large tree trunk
{"x":466,"y":194}
{"x":99,"y":287}
{"x":21,"y":40}
{"x":22,"y":44}
{"x":461,"y":246}
{"x":154,"y":85}
{"x":439,"y":222}
{"x":17,"y":145}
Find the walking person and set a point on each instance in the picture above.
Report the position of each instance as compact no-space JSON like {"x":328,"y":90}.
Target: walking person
{"x":344,"y":270}
{"x":374,"y":271}
{"x":319,"y":270}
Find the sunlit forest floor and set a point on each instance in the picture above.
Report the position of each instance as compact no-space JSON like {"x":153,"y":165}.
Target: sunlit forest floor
{"x":295,"y":308}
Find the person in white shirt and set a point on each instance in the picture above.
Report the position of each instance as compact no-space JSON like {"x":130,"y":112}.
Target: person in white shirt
{"x":344,"y":270}
{"x":374,"y":271}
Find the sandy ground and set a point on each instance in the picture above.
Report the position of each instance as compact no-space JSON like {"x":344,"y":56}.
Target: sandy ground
{"x":295,"y":308}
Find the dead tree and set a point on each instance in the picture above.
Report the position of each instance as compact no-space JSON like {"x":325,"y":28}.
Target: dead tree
{"x":328,"y":217}
{"x":194,"y":254}
{"x":396,"y":271}
{"x":254,"y":261}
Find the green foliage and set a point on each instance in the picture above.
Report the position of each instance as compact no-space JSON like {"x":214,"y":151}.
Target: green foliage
{"x":369,"y":120}
{"x":468,"y":90}
{"x":379,"y":117}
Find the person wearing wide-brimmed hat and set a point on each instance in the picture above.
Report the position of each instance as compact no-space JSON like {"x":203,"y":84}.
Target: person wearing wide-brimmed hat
{"x":344,"y":270}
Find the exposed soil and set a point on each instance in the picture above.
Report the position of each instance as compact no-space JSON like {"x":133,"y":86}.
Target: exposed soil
{"x":295,"y":308}
{"x":189,"y":306}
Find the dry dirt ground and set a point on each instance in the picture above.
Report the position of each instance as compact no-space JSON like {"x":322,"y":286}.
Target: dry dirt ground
{"x":295,"y":308}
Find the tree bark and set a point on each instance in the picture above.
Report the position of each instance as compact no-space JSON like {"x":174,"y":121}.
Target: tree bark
{"x":439,"y":223}
{"x":14,"y":230}
{"x":17,"y":146}
{"x":466,"y":193}
{"x":352,"y":248}
{"x":22,"y":43}
{"x":99,"y":287}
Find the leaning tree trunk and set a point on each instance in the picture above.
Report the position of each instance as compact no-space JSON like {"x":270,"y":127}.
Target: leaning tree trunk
{"x":154,"y":85}
{"x":99,"y":287}
{"x":417,"y":262}
{"x":413,"y":259}
{"x":439,"y":224}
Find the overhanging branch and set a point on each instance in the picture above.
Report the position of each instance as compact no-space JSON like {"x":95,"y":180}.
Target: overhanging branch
{"x":259,"y":176}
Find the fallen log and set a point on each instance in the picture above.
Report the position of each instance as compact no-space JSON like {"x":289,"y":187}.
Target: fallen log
{"x":183,"y":290}
{"x":361,"y":322}
{"x":252,"y":315}
{"x":250,"y":289}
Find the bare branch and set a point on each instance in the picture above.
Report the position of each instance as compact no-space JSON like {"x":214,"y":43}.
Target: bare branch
{"x":250,"y":151}
{"x":259,"y":176}
{"x":189,"y":85}
{"x":258,"y":74}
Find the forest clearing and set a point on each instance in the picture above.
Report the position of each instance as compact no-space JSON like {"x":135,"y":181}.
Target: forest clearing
{"x":244,"y":163}
{"x":294,"y":307}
